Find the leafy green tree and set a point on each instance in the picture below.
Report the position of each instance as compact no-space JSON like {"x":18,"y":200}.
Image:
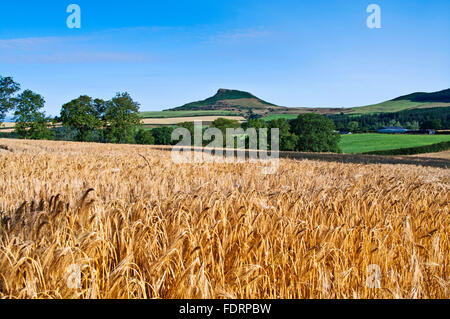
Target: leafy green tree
{"x":315,"y":133}
{"x":7,"y":90}
{"x":144,"y":137}
{"x":435,"y":124}
{"x":255,"y":123}
{"x":414,"y":125}
{"x":31,"y":122}
{"x":81,"y":114}
{"x":100,"y":108}
{"x":163,"y":135}
{"x":352,"y":126}
{"x":223,"y":123}
{"x":394,"y":123}
{"x":288,"y":140}
{"x":122,"y":117}
{"x":190,"y":126}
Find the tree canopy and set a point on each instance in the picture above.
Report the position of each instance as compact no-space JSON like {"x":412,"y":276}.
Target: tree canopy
{"x":122,"y":117}
{"x":31,"y":122}
{"x":315,"y":133}
{"x":288,"y":140}
{"x":144,"y":137}
{"x":163,"y":135}
{"x":82,"y":115}
{"x":7,"y":90}
{"x":223,"y":123}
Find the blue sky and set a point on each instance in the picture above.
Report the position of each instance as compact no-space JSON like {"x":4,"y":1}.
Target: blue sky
{"x":167,"y":53}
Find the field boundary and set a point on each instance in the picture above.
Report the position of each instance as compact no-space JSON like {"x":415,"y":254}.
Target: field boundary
{"x":432,"y":148}
{"x":175,"y":114}
{"x":324,"y":157}
{"x":339,"y":158}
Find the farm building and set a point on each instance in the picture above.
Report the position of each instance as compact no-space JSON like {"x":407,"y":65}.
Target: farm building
{"x":392,"y":130}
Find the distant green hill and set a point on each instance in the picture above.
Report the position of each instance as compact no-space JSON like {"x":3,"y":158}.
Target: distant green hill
{"x":233,"y":101}
{"x":418,"y":100}
{"x":174,"y":114}
{"x":440,"y":97}
{"x":246,"y":104}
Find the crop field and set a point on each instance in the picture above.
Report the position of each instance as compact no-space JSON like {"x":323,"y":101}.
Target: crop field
{"x":280,"y":116}
{"x":172,"y":114}
{"x":178,"y":120}
{"x":158,"y":121}
{"x":7,"y":127}
{"x":444,"y":155}
{"x":360,"y":143}
{"x":83,"y":220}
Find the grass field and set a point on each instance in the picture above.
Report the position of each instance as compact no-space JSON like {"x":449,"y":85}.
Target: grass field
{"x":280,"y":116}
{"x":394,"y":106}
{"x":173,"y":114}
{"x":360,"y":143}
{"x":82,"y":220}
{"x":178,"y":120}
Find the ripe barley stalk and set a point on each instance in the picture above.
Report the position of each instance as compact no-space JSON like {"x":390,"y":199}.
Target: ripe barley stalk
{"x":92,"y":221}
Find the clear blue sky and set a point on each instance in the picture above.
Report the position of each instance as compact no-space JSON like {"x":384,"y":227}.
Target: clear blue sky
{"x":167,"y":53}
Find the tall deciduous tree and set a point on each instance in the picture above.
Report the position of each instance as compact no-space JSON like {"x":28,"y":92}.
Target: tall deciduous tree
{"x":434,"y":124}
{"x":163,"y":135}
{"x":315,"y":133}
{"x":223,"y":123}
{"x":144,"y":137}
{"x":288,"y":140}
{"x":352,"y":126}
{"x":100,"y":108}
{"x":31,"y":122}
{"x":7,"y":90}
{"x":82,"y":115}
{"x":122,"y":117}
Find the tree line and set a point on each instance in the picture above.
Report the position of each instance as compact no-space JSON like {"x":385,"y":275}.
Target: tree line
{"x":83,"y":119}
{"x":437,"y":118}
{"x":307,"y":133}
{"x":117,"y":120}
{"x":31,"y":121}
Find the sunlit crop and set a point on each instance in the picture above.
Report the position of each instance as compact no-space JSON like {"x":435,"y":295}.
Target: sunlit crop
{"x":117,"y":221}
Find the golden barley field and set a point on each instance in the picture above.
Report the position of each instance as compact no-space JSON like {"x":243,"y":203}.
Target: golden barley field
{"x":117,"y":221}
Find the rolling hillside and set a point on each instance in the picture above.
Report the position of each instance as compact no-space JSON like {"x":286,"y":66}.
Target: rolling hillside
{"x":230,"y":100}
{"x":417,"y":100}
{"x":439,"y":97}
{"x":245,"y":104}
{"x":235,"y":102}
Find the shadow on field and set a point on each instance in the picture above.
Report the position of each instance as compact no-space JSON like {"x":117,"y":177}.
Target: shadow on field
{"x":342,"y":158}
